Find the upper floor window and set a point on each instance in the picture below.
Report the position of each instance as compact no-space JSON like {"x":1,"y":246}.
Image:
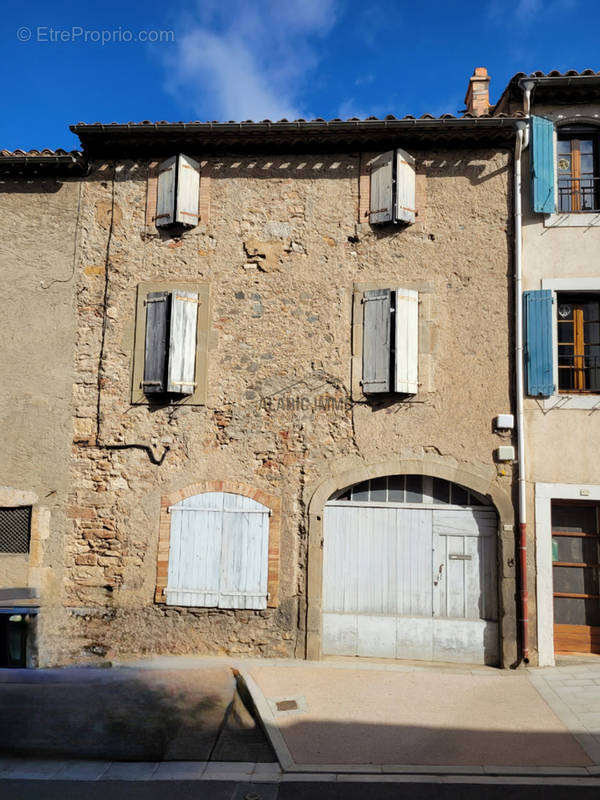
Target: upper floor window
{"x":577,"y":169}
{"x":578,"y":333}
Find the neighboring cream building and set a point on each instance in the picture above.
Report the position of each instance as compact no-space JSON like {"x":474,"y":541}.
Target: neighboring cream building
{"x":561,"y":282}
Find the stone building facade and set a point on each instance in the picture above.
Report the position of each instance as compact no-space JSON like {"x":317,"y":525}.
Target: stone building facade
{"x":280,"y":263}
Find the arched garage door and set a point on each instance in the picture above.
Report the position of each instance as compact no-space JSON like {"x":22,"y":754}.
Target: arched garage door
{"x":409,"y":571}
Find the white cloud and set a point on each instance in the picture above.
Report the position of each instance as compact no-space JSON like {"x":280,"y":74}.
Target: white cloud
{"x":248,"y":60}
{"x":525,"y":12}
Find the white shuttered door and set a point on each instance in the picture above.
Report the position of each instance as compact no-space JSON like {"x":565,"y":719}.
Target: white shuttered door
{"x":218,"y":553}
{"x":413,"y":583}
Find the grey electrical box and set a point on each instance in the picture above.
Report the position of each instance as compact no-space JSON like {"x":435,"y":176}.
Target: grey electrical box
{"x":505,"y":453}
{"x":504,"y":422}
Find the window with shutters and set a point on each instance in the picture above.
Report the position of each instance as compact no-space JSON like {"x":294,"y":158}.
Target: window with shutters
{"x":219,"y":547}
{"x":577,"y":169}
{"x":178,"y":192}
{"x":390,"y":352}
{"x":171,"y":337}
{"x":392,"y":188}
{"x":565,"y":171}
{"x":562,"y":343}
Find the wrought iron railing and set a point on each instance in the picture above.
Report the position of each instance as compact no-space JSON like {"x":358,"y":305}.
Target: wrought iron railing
{"x":579,"y":373}
{"x":578,"y":194}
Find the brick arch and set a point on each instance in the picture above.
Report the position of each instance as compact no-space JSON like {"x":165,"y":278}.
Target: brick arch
{"x":271,"y":501}
{"x":480,"y":479}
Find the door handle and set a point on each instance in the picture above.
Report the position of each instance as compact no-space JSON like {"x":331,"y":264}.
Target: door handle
{"x":439,"y":575}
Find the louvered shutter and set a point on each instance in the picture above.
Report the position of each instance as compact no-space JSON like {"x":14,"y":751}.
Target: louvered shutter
{"x":381,"y":200}
{"x":195,"y":551}
{"x":245,"y":553}
{"x":188,"y":190}
{"x":407,"y":341}
{"x":156,"y":345}
{"x":405,"y":202}
{"x":538,"y":342}
{"x":542,"y":164}
{"x":165,"y":200}
{"x":376,"y":341}
{"x":182,"y":342}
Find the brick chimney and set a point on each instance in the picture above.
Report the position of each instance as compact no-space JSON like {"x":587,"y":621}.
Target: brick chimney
{"x":478,"y":93}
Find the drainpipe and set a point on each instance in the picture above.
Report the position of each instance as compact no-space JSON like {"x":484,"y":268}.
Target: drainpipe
{"x":522,"y":142}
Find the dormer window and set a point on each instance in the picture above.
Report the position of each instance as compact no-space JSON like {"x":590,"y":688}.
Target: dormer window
{"x":577,"y":169}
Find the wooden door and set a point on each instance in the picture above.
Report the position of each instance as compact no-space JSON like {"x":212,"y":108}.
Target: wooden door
{"x":575,"y":575}
{"x":410,"y":582}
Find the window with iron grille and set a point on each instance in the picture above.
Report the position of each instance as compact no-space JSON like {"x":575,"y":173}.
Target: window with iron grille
{"x":578,"y":169}
{"x":15,"y":529}
{"x":578,"y":326}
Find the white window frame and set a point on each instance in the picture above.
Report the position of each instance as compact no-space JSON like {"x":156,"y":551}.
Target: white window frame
{"x":563,"y":400}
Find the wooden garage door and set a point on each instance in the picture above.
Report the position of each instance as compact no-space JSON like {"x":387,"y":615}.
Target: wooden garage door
{"x":410,"y":582}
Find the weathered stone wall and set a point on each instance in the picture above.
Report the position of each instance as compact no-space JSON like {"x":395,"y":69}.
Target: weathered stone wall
{"x":282,"y":251}
{"x":39,"y":220}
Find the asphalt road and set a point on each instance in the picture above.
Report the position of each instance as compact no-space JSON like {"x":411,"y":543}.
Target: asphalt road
{"x":222,"y":790}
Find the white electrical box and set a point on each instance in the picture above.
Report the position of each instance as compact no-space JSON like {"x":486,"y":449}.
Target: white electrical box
{"x":505,"y":453}
{"x":504,"y":422}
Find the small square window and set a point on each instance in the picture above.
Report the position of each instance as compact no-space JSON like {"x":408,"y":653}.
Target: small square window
{"x":15,"y":529}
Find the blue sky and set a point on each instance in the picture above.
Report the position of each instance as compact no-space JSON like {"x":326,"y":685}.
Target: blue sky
{"x":257,"y":59}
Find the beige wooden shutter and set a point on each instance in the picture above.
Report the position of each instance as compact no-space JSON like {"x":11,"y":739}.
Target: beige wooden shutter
{"x":381,"y":207}
{"x":182,"y":343}
{"x":405,"y":202}
{"x":407,"y":342}
{"x":376,"y":341}
{"x":165,"y":201}
{"x":188,"y":190}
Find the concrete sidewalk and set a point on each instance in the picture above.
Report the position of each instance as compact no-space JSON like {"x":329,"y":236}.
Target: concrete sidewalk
{"x":182,"y":718}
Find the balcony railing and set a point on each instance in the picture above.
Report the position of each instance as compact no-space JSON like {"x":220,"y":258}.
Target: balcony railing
{"x":578,"y":194}
{"x":579,"y":373}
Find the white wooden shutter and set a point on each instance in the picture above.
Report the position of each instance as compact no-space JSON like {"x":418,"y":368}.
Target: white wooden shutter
{"x":218,"y":552}
{"x":376,"y":341}
{"x":245,"y":553}
{"x":195,"y":551}
{"x":381,"y":201}
{"x":405,"y":203}
{"x":407,"y":341}
{"x":188,"y":190}
{"x":182,"y":343}
{"x":165,"y":200}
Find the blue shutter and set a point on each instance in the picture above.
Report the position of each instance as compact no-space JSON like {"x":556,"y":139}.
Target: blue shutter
{"x":542,"y":164}
{"x":537,"y":310}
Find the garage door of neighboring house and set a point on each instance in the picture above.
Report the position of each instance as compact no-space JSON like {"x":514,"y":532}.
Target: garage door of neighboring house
{"x":410,"y":572}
